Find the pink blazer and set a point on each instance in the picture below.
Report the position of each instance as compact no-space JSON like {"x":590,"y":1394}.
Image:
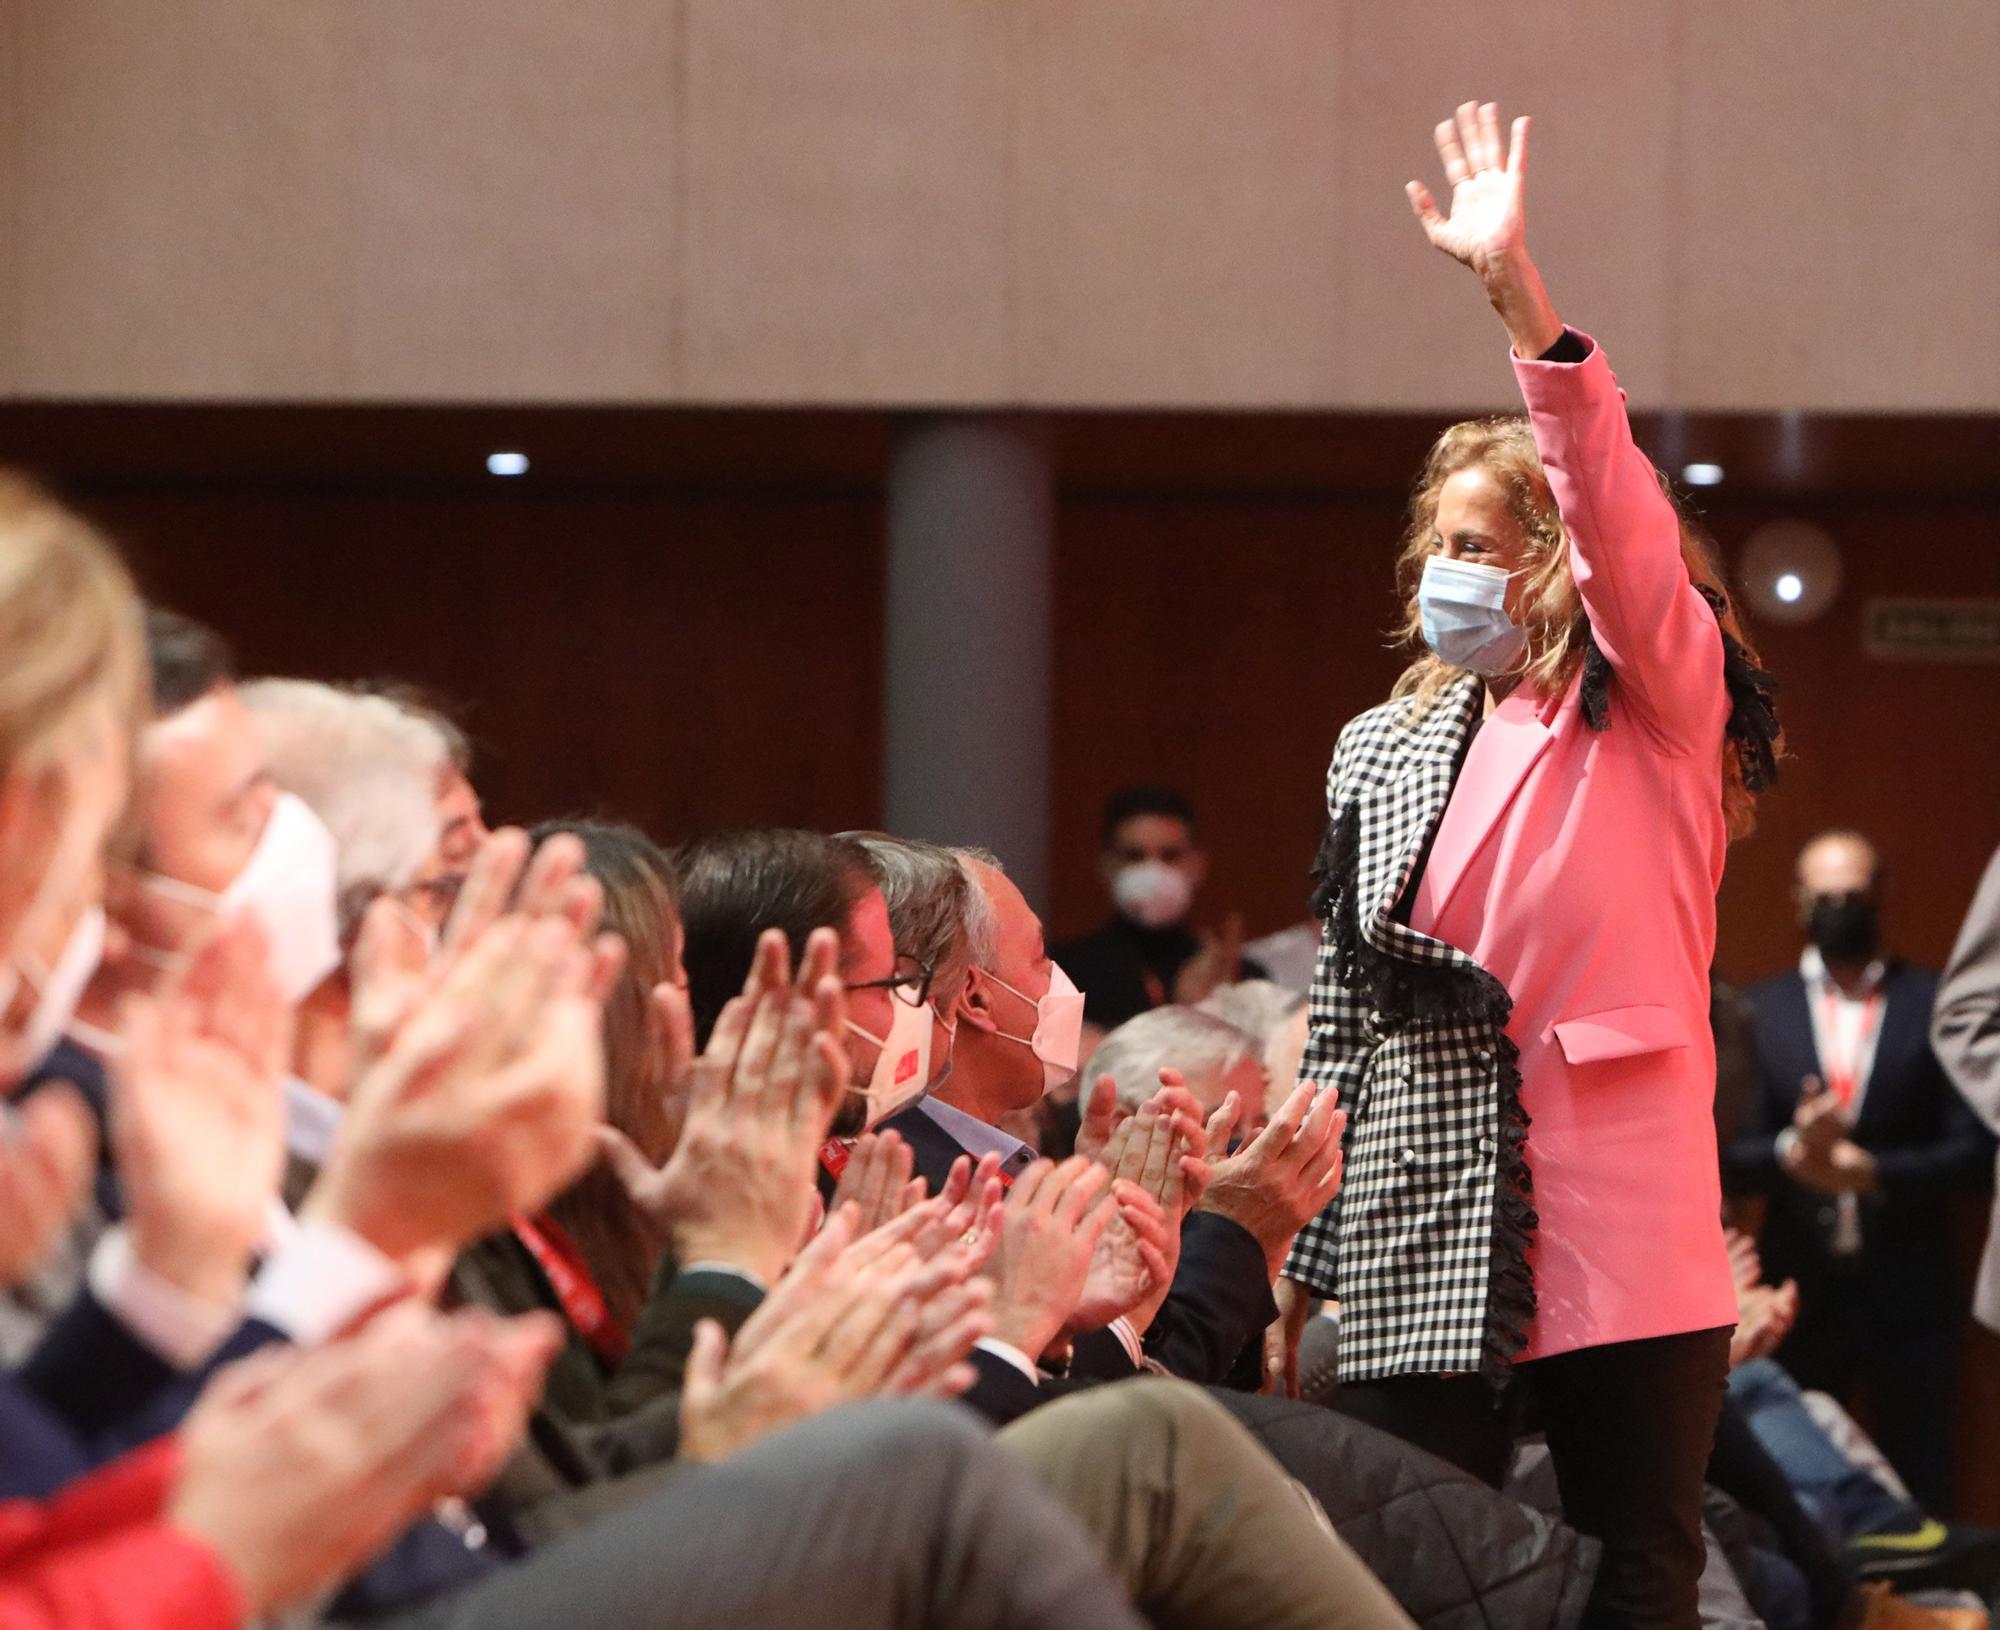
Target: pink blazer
{"x":1580,"y":869}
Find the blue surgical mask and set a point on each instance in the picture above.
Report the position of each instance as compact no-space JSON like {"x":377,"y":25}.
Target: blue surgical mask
{"x":1464,"y":611}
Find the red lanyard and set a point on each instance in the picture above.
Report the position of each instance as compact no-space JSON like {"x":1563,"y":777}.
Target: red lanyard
{"x":1843,"y":1073}
{"x":569,"y":1276}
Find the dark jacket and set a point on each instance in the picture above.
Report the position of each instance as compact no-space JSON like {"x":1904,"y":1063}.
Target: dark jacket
{"x":598,"y":1435}
{"x":1220,"y":1302}
{"x":1456,"y":1554}
{"x":1925,"y":1141}
{"x":1123,"y":969}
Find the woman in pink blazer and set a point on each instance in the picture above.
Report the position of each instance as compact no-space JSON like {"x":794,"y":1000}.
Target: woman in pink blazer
{"x":1518,"y":890}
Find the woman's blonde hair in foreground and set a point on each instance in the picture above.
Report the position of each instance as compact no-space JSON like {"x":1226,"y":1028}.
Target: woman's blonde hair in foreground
{"x":69,"y":623}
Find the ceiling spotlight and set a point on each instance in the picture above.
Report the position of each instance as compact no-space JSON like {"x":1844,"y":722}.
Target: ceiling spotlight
{"x":1702,"y":475}
{"x":1790,"y":571}
{"x":506,"y":463}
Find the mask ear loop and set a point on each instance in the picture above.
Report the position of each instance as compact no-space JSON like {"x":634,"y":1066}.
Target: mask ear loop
{"x":1027,"y":1041}
{"x":186,"y":894}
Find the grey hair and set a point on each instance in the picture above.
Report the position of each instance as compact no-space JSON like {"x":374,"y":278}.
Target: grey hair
{"x":367,"y":768}
{"x":1173,"y":1037}
{"x":418,"y":704}
{"x":1260,"y":1007}
{"x":982,"y":925}
{"x":928,"y":894}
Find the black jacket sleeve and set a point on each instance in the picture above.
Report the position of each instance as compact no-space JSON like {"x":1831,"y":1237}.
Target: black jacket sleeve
{"x":1221,"y":1301}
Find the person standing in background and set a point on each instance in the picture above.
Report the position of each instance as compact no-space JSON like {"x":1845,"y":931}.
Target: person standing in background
{"x":1965,"y":1031}
{"x":1148,"y":955}
{"x":1856,"y":1136}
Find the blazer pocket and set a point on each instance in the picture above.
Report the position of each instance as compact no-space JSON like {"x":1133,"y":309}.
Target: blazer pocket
{"x":1620,"y":1032}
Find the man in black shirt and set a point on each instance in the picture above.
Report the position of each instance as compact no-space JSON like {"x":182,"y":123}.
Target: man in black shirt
{"x":1147,"y":955}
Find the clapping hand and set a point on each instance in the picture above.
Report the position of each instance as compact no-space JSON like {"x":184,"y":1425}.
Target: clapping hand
{"x":1099,"y":1117}
{"x":1049,"y":1231}
{"x":299,"y":1464}
{"x":1155,"y":1161}
{"x":1818,"y":1120}
{"x":1764,"y":1317}
{"x":483,"y":1097}
{"x":197,"y":1113}
{"x":1286,"y":1175}
{"x":48,"y":1150}
{"x":739,"y":1185}
{"x":1219,"y":962}
{"x":1823,"y":1156}
{"x":876,"y":1180}
{"x":1283,"y":1335}
{"x":392,"y":971}
{"x":849,"y":1320}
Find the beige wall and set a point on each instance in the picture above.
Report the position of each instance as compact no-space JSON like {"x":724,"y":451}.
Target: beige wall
{"x":1757,"y":203}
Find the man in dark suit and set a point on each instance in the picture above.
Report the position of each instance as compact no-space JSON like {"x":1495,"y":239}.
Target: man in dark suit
{"x":962,"y":914}
{"x":1859,"y":1140}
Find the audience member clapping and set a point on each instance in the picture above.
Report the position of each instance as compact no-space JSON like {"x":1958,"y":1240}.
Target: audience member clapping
{"x":708,"y":1158}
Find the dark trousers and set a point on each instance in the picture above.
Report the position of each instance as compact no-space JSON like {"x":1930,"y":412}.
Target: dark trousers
{"x":1630,"y":1427}
{"x":1904,"y":1378}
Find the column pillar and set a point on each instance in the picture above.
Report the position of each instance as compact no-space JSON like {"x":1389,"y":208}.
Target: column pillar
{"x":971,"y":525}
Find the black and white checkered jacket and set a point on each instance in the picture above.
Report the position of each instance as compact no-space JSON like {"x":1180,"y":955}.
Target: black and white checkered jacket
{"x":1434,"y":1218}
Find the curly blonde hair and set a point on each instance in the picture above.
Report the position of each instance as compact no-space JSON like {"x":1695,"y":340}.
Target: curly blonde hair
{"x":1551,"y":610}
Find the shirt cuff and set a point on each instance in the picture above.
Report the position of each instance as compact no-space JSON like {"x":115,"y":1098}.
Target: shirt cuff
{"x":183,"y":1330}
{"x":1008,"y":1353}
{"x":729,"y":1268}
{"x":1787,"y":1141}
{"x":1128,"y":1338}
{"x":322,"y":1281}
{"x":1570,"y":348}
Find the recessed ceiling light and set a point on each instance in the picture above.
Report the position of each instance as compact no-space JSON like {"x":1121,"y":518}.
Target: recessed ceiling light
{"x":506,"y":463}
{"x":1789,"y":588}
{"x":1702,"y":475}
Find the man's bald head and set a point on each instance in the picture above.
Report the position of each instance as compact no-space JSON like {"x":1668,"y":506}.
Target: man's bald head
{"x":1838,"y":862}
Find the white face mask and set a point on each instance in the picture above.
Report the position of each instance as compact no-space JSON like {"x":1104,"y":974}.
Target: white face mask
{"x":1464,"y":610}
{"x":950,"y":1053}
{"x":288,"y":885}
{"x":58,"y":988}
{"x":1152,"y":893}
{"x":902,"y":1072}
{"x":1058,"y":1037}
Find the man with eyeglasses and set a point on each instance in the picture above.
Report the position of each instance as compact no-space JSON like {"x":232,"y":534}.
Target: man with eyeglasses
{"x":991,"y":993}
{"x":933,"y":907}
{"x":736,"y":885}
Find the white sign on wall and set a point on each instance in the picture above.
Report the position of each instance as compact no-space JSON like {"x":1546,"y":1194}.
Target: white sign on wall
{"x":1933,"y":630}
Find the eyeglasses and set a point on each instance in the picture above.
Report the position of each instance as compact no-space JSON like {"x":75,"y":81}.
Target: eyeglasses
{"x":911,"y":982}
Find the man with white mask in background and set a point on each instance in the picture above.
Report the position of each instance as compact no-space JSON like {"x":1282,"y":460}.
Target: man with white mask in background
{"x":236,"y":787}
{"x":215,"y":837}
{"x":1149,"y":954}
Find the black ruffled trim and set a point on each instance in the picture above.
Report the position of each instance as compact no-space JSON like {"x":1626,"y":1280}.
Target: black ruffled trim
{"x":1753,"y":710}
{"x":1402,"y":995}
{"x":1595,"y":691}
{"x":1753,"y":715}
